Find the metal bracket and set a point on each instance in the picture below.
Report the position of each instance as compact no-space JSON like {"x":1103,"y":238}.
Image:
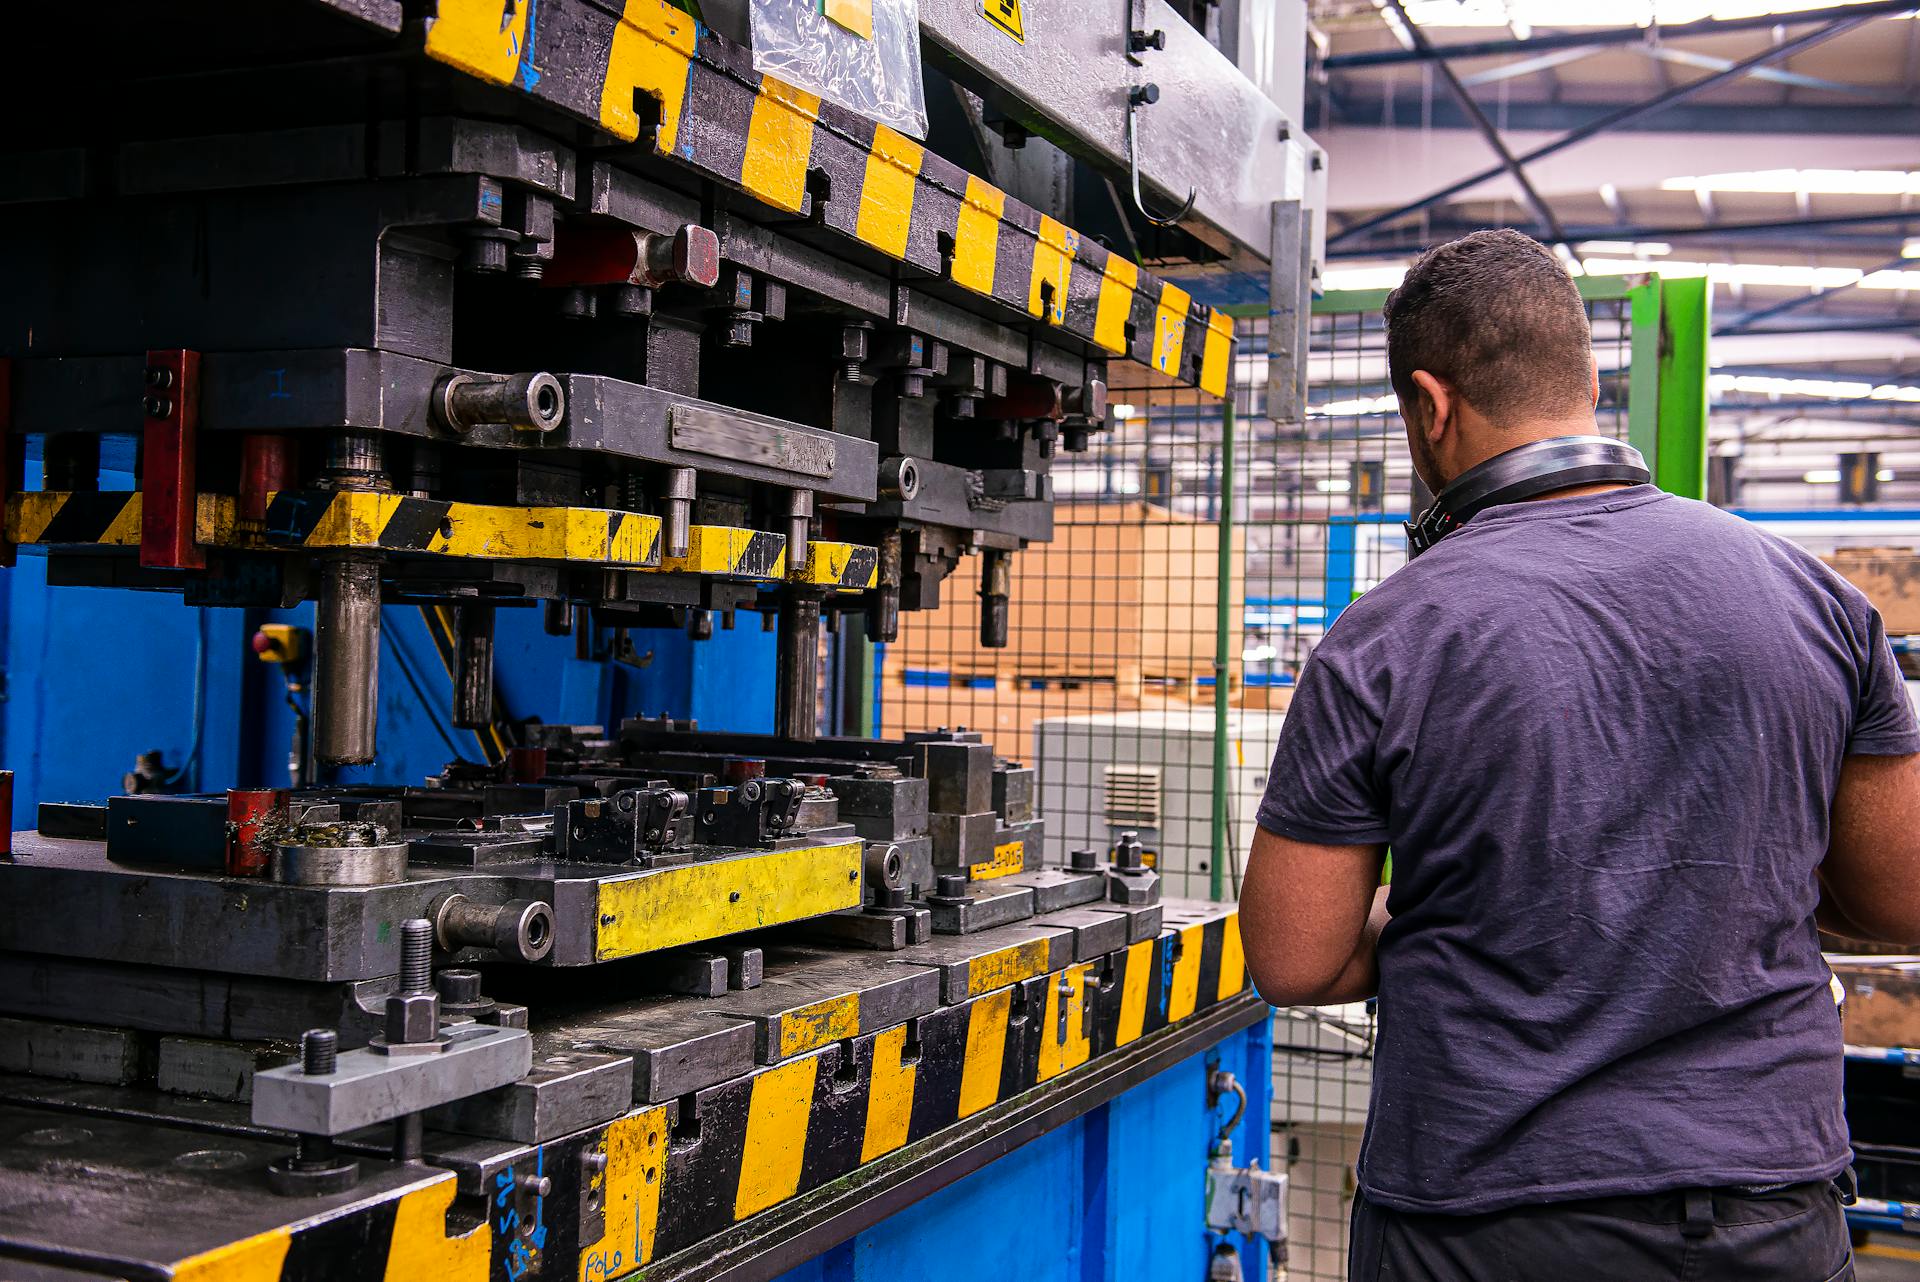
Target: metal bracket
{"x":367,"y":1087}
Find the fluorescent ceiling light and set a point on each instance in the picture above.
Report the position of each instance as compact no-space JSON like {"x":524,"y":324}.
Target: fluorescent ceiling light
{"x":1385,"y":277}
{"x":1364,"y":405}
{"x":1823,"y":476}
{"x":1333,"y":485}
{"x":1815,"y":182}
{"x":1525,"y":15}
{"x":1911,"y":249}
{"x":1625,"y":248}
{"x":1826,"y":389}
{"x":1122,"y":411}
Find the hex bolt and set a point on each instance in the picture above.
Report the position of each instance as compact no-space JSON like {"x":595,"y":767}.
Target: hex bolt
{"x":1141,"y":41}
{"x":319,"y":1051}
{"x":1144,"y":95}
{"x":416,"y":955}
{"x":1084,"y":860}
{"x":458,"y":986}
{"x":1128,"y":855}
{"x":950,"y":886}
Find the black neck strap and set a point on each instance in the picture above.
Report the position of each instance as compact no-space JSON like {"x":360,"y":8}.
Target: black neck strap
{"x":1525,"y":472}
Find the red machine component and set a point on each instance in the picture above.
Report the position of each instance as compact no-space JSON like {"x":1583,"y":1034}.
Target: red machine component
{"x":6,"y":807}
{"x":6,"y":467}
{"x":608,"y":254}
{"x":267,"y":466}
{"x":250,"y":812}
{"x":735,"y":771}
{"x":527,"y":765}
{"x":169,"y":445}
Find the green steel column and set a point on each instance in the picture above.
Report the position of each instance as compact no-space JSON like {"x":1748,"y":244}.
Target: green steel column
{"x":1681,"y":465}
{"x":856,"y":675}
{"x":1222,"y":654}
{"x":1643,"y":371}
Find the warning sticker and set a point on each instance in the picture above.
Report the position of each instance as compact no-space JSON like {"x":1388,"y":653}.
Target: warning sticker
{"x":855,"y":15}
{"x":1005,"y":14}
{"x":1008,"y":857}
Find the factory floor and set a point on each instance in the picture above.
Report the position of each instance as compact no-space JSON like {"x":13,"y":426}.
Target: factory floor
{"x":1885,"y":1260}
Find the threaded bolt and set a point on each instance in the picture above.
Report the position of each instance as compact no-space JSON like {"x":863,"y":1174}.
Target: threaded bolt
{"x":319,"y":1051}
{"x":416,"y":955}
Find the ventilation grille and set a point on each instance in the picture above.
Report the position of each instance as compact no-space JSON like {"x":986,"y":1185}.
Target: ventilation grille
{"x":1133,"y":796}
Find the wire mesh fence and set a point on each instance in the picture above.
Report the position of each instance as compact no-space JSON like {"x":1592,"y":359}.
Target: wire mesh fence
{"x":1107,"y":684}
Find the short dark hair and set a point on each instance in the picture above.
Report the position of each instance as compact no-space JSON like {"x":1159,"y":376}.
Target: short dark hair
{"x":1495,"y":315}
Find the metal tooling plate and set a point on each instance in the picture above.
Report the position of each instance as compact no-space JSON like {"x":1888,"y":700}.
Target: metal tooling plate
{"x":959,"y":776}
{"x":369,"y":1087}
{"x":75,"y":1052}
{"x":1057,"y":888}
{"x":887,"y":931}
{"x":959,"y":840}
{"x":808,"y":999}
{"x":984,"y":905}
{"x":565,"y":1091}
{"x":1096,"y":932}
{"x":1144,"y":921}
{"x":678,"y":1044}
{"x":973,"y":964}
{"x":133,"y":1198}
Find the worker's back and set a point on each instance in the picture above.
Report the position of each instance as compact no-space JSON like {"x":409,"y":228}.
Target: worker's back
{"x":1604,"y":732}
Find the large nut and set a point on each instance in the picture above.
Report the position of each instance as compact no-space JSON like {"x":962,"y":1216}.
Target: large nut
{"x":412,"y":1018}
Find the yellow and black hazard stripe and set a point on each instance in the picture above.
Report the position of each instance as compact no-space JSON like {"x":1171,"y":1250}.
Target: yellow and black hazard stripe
{"x":849,"y":567}
{"x":658,"y":908}
{"x":708,"y":108}
{"x":666,"y":1177}
{"x":379,"y":522}
{"x":107,"y":518}
{"x":727,"y":551}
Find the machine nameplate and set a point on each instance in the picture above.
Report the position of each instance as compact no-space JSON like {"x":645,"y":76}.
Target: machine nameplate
{"x":704,"y":431}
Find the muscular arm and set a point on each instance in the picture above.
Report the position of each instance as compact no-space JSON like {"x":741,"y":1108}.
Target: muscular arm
{"x":1870,"y":880}
{"x":1310,"y":919}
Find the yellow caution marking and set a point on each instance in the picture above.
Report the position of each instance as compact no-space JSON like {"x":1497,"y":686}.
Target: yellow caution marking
{"x":421,"y":1247}
{"x":652,"y":50}
{"x":1233,"y":960}
{"x":776,"y":1136}
{"x":814,"y":1026}
{"x":629,"y":1185}
{"x":886,"y":197}
{"x":1006,"y":18}
{"x":986,"y":1045}
{"x":667,"y":907}
{"x":1008,"y":857}
{"x":254,"y":1259}
{"x":1133,"y":992}
{"x":729,"y":550}
{"x":889,"y":1094}
{"x":779,"y":143}
{"x":399,"y":523}
{"x":1216,"y":358}
{"x":850,"y":567}
{"x":1008,"y":965}
{"x":1052,"y":264}
{"x":1057,"y":1056}
{"x":483,"y":38}
{"x":1111,"y":313}
{"x":1170,"y":328}
{"x":976,"y":237}
{"x":855,"y":15}
{"x":1184,"y":990}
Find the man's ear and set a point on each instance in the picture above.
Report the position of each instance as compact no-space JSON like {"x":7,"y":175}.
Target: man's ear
{"x":1596,"y":385}
{"x":1441,"y":401}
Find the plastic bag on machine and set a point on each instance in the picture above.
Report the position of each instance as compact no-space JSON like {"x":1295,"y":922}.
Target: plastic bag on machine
{"x":879,"y":77}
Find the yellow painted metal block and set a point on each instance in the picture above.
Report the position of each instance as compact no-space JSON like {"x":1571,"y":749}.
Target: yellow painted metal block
{"x":668,"y":907}
{"x":1008,"y":965}
{"x":422,"y":1247}
{"x":732,"y":552}
{"x":889,"y":1095}
{"x":779,"y":143}
{"x":1233,"y":961}
{"x":851,"y":567}
{"x":1115,"y":305}
{"x":652,"y":54}
{"x":254,"y":1259}
{"x":1070,"y":992}
{"x":777,"y":1118}
{"x":1133,"y":992}
{"x":1170,"y":328}
{"x":636,"y":1149}
{"x":483,"y":38}
{"x":1216,"y":358}
{"x":886,"y":197}
{"x":1052,"y":265}
{"x":1008,"y":857}
{"x":986,"y":1047}
{"x":976,"y":238}
{"x":818,"y":1024}
{"x":1183,"y":989}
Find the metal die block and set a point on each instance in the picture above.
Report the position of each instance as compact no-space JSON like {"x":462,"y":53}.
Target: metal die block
{"x":564,"y":1092}
{"x":1013,"y":788}
{"x":184,"y":832}
{"x":960,"y":840}
{"x":970,"y":965}
{"x":1096,"y":932}
{"x":213,"y":1069}
{"x":661,"y":908}
{"x":959,"y":776}
{"x":1057,"y":888}
{"x":983,"y":906}
{"x":677,"y":1044}
{"x":811,"y":999}
{"x":401,"y":523}
{"x":72,"y":1052}
{"x":368,"y":1087}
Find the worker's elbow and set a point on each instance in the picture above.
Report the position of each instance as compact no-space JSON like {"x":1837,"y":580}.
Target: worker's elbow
{"x":1283,"y":980}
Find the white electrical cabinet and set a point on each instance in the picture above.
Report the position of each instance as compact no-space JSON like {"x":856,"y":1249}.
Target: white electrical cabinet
{"x":1151,"y":773}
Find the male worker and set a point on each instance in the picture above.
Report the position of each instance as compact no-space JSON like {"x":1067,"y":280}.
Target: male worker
{"x":1619,"y":743}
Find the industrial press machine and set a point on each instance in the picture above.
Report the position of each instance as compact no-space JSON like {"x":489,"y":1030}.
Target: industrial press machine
{"x":574,"y":306}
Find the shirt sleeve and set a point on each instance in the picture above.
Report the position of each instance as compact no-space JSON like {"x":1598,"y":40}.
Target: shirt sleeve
{"x":1321,"y":788}
{"x":1884,"y":724}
